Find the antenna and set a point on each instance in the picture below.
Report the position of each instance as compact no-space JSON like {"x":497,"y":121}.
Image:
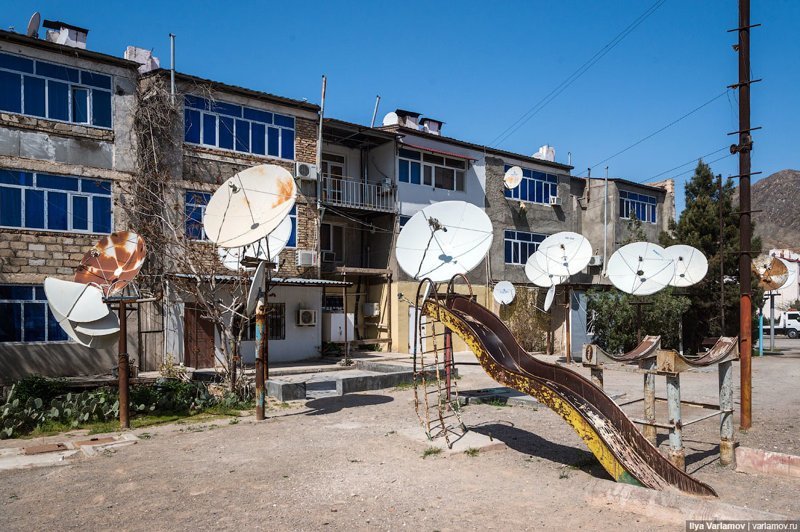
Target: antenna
{"x":113,"y":262}
{"x":504,"y":292}
{"x":691,"y":265}
{"x":33,"y":25}
{"x":564,"y":253}
{"x":512,"y":177}
{"x":772,"y":273}
{"x":444,"y":239}
{"x":375,"y":111}
{"x":641,"y":268}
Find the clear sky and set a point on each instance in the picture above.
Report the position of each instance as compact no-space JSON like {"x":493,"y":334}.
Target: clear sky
{"x":479,"y":66}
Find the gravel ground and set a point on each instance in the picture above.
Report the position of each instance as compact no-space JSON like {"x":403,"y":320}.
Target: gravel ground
{"x":343,"y":464}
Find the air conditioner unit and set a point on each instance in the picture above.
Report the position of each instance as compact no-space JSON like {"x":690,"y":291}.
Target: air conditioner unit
{"x":305,"y":171}
{"x":328,"y":256}
{"x":306,"y":258}
{"x":596,"y":260}
{"x":555,"y":201}
{"x":372,"y":310}
{"x":306,"y":317}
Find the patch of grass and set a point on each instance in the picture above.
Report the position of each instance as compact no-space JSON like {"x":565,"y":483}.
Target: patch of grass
{"x":496,"y":401}
{"x":472,"y":452}
{"x":431,"y":451}
{"x":233,"y":421}
{"x":145,"y":436}
{"x":404,"y":386}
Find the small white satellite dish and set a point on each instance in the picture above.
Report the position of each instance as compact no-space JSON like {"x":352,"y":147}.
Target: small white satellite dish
{"x":513,"y":177}
{"x":256,"y":289}
{"x":504,"y":292}
{"x":538,"y":276}
{"x":792,"y":277}
{"x":444,"y":239}
{"x":76,"y":302}
{"x":691,"y":265}
{"x":641,"y":268}
{"x":564,"y":253}
{"x":249,"y":205}
{"x":548,"y":299}
{"x":33,"y":25}
{"x":102,"y":327}
{"x":391,"y":119}
{"x":236,"y":258}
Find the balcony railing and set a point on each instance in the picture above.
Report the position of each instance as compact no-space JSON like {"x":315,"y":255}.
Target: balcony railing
{"x":345,"y":192}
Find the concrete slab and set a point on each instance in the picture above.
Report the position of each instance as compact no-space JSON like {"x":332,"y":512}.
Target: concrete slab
{"x":749,"y":460}
{"x":17,"y":459}
{"x":470,"y":440}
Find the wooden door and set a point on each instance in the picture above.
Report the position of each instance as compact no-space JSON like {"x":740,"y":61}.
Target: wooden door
{"x":198,"y":338}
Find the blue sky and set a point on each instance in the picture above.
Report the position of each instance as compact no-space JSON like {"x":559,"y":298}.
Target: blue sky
{"x":480,"y":69}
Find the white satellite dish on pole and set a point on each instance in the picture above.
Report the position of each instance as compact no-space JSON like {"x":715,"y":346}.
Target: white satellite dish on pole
{"x":81,"y":312}
{"x":512,"y":177}
{"x":548,"y":299}
{"x":249,"y":205}
{"x":504,"y":292}
{"x":641,"y":268}
{"x":444,"y":239}
{"x":33,"y":25}
{"x":791,"y":277}
{"x":691,"y":265}
{"x":256,"y":289}
{"x":538,"y":276}
{"x":564,"y":253}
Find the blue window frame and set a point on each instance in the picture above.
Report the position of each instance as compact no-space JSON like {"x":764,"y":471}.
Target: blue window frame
{"x":234,"y":127}
{"x":292,"y":243}
{"x":57,"y":92}
{"x":55,"y":203}
{"x":519,"y":245}
{"x":195,"y":207}
{"x":431,"y":170}
{"x":403,"y":220}
{"x":639,"y":206}
{"x":535,"y":187}
{"x":26,"y":317}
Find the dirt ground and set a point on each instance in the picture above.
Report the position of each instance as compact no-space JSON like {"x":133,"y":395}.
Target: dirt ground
{"x":343,"y":463}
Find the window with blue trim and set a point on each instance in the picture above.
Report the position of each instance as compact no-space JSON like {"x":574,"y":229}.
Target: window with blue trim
{"x":195,"y":207}
{"x":431,"y":170}
{"x":292,"y":242}
{"x":26,"y":317}
{"x":238,"y":128}
{"x":54,"y":202}
{"x":639,"y":206}
{"x":519,"y":245}
{"x":56,"y":92}
{"x":403,"y":220}
{"x":535,"y":187}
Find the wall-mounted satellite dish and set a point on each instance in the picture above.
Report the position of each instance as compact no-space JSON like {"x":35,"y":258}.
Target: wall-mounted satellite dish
{"x":249,"y":205}
{"x":256,"y":288}
{"x":641,"y":268}
{"x":81,"y":312}
{"x":564,"y":253}
{"x":772,"y":273}
{"x":391,"y":119}
{"x":538,"y":276}
{"x":691,"y":265}
{"x":791,"y":279}
{"x":549,"y":297}
{"x":444,"y":239}
{"x":266,"y":249}
{"x":504,"y":292}
{"x":33,"y":25}
{"x":513,"y":177}
{"x":113,"y":262}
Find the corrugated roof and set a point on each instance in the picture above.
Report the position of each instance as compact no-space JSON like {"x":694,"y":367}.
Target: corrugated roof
{"x":280,"y":281}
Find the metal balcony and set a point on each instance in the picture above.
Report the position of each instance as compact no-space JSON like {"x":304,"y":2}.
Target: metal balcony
{"x":353,"y":194}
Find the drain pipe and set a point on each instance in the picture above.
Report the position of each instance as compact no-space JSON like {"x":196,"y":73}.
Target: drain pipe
{"x":172,"y":67}
{"x":605,"y":225}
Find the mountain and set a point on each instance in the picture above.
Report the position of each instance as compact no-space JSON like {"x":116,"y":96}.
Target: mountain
{"x":778,"y":199}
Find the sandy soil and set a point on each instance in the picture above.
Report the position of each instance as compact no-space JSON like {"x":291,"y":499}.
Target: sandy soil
{"x":343,"y":463}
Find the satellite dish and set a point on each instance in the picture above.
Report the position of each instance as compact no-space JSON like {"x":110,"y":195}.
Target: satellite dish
{"x":792,"y":277}
{"x":113,"y":262}
{"x":513,"y":177}
{"x":548,"y":299}
{"x":564,"y":253}
{"x":641,"y":268}
{"x":266,"y":249}
{"x":249,"y":205}
{"x":33,"y":25}
{"x":771,"y":272}
{"x":256,"y":288}
{"x":444,"y":239}
{"x":391,"y":119}
{"x":76,"y":302}
{"x":109,"y":324}
{"x":691,"y":265}
{"x":538,"y":276}
{"x":504,"y":292}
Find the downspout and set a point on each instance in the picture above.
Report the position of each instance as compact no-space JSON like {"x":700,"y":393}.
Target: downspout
{"x":605,"y":226}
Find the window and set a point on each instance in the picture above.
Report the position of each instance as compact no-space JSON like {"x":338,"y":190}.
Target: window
{"x":432,"y":170}
{"x":535,"y":187}
{"x":639,"y":206}
{"x":195,"y":207}
{"x":276,"y":323}
{"x":234,"y":127}
{"x":332,"y":240}
{"x":292,"y":242}
{"x":403,"y":220}
{"x":53,"y":202}
{"x":57,"y":92}
{"x":333,"y":303}
{"x":520,"y":245}
{"x":26,"y":317}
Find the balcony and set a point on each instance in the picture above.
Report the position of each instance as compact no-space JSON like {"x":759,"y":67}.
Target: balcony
{"x":353,"y":194}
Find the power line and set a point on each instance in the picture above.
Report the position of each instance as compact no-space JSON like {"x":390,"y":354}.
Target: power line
{"x":692,"y":161}
{"x":549,"y":97}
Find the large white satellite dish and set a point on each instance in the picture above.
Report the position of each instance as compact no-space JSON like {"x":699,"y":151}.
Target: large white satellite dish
{"x":109,"y":324}
{"x":641,"y":268}
{"x":266,"y":249}
{"x":564,"y":253}
{"x":249,"y":205}
{"x":791,"y":277}
{"x":512,"y":177}
{"x":548,"y":299}
{"x":504,"y":292}
{"x":538,"y":276}
{"x":444,"y":239}
{"x":77,"y":302}
{"x":691,"y":265}
{"x":256,"y":288}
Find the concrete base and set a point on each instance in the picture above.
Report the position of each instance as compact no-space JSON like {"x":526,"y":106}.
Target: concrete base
{"x":38,"y":455}
{"x":750,"y":460}
{"x":470,"y":440}
{"x":286,"y":391}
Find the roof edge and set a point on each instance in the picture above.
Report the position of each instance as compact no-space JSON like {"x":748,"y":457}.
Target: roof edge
{"x":81,"y":53}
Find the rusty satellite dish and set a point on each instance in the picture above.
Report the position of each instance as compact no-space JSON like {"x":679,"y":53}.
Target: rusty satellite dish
{"x":113,"y":262}
{"x":249,"y":205}
{"x":791,"y":278}
{"x":772,"y":273}
{"x":512,"y":177}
